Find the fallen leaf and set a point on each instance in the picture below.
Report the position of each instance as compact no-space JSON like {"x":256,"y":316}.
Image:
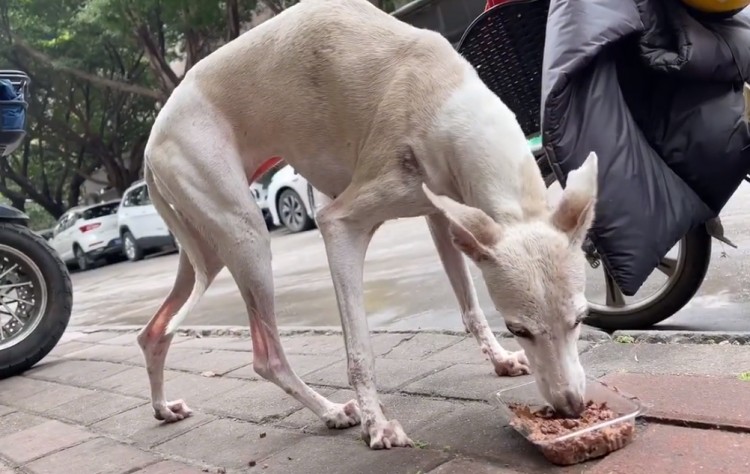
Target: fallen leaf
{"x":262,"y":435}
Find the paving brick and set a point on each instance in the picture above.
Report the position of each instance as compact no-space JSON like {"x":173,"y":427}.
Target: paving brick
{"x":76,"y":372}
{"x":422,"y":345}
{"x":476,"y":430}
{"x":468,"y":352}
{"x":202,"y":360}
{"x":108,"y":353}
{"x":314,"y":344}
{"x":72,"y":346}
{"x":690,"y":359}
{"x":170,"y":467}
{"x":225,"y":343}
{"x":97,"y":456}
{"x":385,"y":342}
{"x":228,"y":443}
{"x":254,"y":401}
{"x":15,"y":422}
{"x":6,"y":469}
{"x":195,"y":389}
{"x":5,"y":410}
{"x":314,"y":455}
{"x":133,"y":382}
{"x":95,"y":407}
{"x":41,"y":439}
{"x":412,"y":412}
{"x":390,"y":373}
{"x":465,"y":466}
{"x":470,"y":381}
{"x":677,"y":450}
{"x":13,"y":388}
{"x":92,"y":336}
{"x":140,"y":427}
{"x":126,"y":339}
{"x":40,"y":396}
{"x":302,"y":365}
{"x":683,"y":398}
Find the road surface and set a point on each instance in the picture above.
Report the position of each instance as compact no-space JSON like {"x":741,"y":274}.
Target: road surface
{"x":405,"y":284}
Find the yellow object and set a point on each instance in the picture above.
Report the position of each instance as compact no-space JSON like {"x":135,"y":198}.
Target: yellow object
{"x":717,"y":6}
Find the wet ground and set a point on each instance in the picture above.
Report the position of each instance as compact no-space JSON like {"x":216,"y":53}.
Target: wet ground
{"x":405,"y":284}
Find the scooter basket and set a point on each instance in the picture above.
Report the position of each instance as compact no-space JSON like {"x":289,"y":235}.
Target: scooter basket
{"x":14,"y":86}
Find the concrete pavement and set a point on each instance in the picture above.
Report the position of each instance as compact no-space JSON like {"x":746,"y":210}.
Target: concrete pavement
{"x":85,"y":409}
{"x":405,"y":287}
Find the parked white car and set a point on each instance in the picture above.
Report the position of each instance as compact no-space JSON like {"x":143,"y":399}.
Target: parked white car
{"x":289,"y":200}
{"x":86,"y":234}
{"x":139,"y":224}
{"x":260,"y":194}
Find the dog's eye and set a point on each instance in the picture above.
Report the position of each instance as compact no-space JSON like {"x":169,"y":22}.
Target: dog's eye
{"x":520,"y":332}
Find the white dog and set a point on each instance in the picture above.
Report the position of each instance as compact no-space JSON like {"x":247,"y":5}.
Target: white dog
{"x":388,"y":121}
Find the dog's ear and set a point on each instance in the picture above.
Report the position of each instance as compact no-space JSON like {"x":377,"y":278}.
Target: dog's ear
{"x":575,"y":211}
{"x":473,"y":231}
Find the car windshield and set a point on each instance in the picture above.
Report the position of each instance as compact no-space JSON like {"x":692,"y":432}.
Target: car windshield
{"x":100,"y":211}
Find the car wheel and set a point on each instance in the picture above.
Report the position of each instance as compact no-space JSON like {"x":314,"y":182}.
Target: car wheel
{"x":130,"y":247}
{"x":292,"y":212}
{"x":82,"y":260}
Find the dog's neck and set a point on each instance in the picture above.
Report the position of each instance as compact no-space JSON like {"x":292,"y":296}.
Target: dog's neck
{"x":487,"y":156}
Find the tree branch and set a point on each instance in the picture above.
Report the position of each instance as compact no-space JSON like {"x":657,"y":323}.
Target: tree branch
{"x":91,"y":78}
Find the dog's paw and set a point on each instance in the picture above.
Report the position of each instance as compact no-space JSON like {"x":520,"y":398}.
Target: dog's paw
{"x":513,"y":365}
{"x":343,"y":415}
{"x":172,"y":411}
{"x":386,"y":435}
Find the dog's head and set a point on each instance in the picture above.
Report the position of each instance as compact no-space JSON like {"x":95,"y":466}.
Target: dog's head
{"x":535,"y":274}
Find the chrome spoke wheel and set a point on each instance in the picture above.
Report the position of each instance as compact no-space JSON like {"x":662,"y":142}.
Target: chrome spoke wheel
{"x":129,"y":248}
{"x":23,"y":296}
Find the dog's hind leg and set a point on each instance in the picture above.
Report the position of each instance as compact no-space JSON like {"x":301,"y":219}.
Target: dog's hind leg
{"x":211,"y":191}
{"x":155,"y":338}
{"x":505,"y":363}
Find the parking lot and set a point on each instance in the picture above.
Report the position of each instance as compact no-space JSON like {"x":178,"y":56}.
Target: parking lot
{"x":404,"y":281}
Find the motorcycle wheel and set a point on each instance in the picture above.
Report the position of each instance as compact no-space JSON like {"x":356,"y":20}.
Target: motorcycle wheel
{"x":684,"y":274}
{"x":36,"y":299}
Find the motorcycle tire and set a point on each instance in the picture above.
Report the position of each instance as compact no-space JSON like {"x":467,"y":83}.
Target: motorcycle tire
{"x":683,"y":286}
{"x":35,"y":345}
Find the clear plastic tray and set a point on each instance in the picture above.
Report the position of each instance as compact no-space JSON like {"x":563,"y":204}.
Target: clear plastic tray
{"x":626,"y":406}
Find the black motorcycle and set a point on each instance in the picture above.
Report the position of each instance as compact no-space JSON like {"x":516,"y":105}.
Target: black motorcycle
{"x":36,"y":294}
{"x":506,"y":46}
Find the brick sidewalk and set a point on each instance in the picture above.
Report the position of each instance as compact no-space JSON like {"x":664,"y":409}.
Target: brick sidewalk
{"x":85,"y":409}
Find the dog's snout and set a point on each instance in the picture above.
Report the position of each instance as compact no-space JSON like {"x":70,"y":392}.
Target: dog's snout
{"x":575,"y":403}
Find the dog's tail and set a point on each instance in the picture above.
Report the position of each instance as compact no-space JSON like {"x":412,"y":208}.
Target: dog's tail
{"x":198,"y":277}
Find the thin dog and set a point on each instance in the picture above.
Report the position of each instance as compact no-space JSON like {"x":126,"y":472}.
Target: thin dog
{"x":387,"y":121}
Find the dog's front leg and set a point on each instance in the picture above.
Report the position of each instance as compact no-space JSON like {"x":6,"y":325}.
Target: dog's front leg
{"x":346,"y":240}
{"x":505,"y":362}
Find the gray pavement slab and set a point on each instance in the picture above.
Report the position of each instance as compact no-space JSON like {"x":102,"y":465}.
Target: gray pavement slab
{"x":254,"y":401}
{"x":141,"y":428}
{"x":468,"y":381}
{"x":696,"y":359}
{"x":171,"y":467}
{"x":466,"y":466}
{"x":230,"y":444}
{"x":18,"y":421}
{"x":94,"y":407}
{"x":422,"y":345}
{"x":24,"y":446}
{"x":96,"y":456}
{"x":75,"y":372}
{"x":133,"y":381}
{"x":4,"y":410}
{"x":37,"y":395}
{"x":314,"y":455}
{"x":107,"y":353}
{"x":302,"y":365}
{"x":225,"y":343}
{"x":389,"y":373}
{"x":207,"y":360}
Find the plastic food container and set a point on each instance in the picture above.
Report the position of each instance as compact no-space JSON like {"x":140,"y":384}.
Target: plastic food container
{"x":577,"y":444}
